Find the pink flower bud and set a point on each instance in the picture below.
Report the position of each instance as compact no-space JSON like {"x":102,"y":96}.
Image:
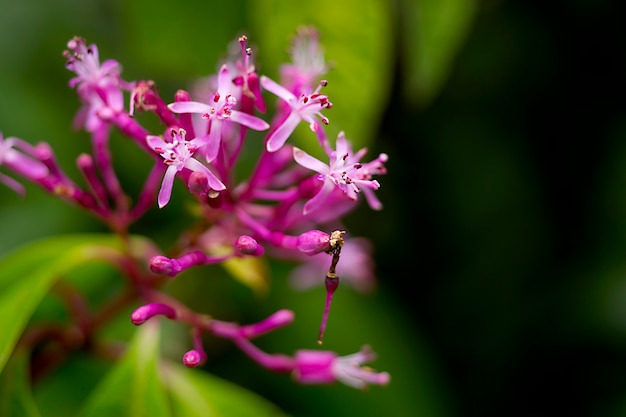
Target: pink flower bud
{"x":247,"y":245}
{"x":198,"y":183}
{"x":145,"y":312}
{"x":162,"y":265}
{"x":314,"y":242}
{"x":194,"y":358}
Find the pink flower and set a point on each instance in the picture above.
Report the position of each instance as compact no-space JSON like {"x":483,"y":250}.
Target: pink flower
{"x":304,"y":108}
{"x":325,"y":367}
{"x":99,"y":86}
{"x":178,"y":154}
{"x":345,"y":172}
{"x":220,"y":110}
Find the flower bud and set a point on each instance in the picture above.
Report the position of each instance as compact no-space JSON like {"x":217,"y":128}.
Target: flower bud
{"x":247,"y":245}
{"x":194,"y":358}
{"x":314,"y":242}
{"x":198,"y":183}
{"x":162,"y":265}
{"x":145,"y":312}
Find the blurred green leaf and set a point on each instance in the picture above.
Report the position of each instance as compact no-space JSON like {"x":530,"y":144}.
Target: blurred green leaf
{"x":179,"y":40}
{"x":27,"y":274}
{"x":357,"y":38}
{"x":141,"y":385}
{"x":433,"y":32}
{"x":197,"y":394}
{"x":16,"y":397}
{"x":250,"y":271}
{"x":133,"y":387}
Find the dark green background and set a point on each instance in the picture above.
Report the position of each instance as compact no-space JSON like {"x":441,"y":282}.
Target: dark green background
{"x":500,"y":247}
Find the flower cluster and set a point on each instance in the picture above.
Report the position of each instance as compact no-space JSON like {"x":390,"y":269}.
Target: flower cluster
{"x":290,"y":206}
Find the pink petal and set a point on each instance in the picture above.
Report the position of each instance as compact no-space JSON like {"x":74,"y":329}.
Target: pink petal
{"x":318,"y":200}
{"x":155,"y":142}
{"x":166,"y":186}
{"x":189,"y":107}
{"x":273,"y":87}
{"x":224,"y":82}
{"x":278,"y":137}
{"x":212,"y":147}
{"x":309,"y":161}
{"x":248,"y":120}
{"x":372,"y":199}
{"x":342,"y":145}
{"x":11,"y":183}
{"x":195,"y":165}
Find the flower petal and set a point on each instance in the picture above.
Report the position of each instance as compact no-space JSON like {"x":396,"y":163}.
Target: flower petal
{"x":318,"y":200}
{"x":273,"y":87}
{"x":155,"y":142}
{"x":248,"y":120}
{"x":278,"y":137}
{"x":189,"y":107}
{"x":166,"y":186}
{"x":309,"y":161}
{"x":195,"y":165}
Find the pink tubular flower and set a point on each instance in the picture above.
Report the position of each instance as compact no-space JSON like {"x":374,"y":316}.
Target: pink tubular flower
{"x":19,"y":162}
{"x":325,"y":367}
{"x":346,"y":172}
{"x":99,"y":86}
{"x":304,"y":108}
{"x":221,"y":110}
{"x":178,"y":154}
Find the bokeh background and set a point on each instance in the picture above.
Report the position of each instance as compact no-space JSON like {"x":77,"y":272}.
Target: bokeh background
{"x":500,"y":250}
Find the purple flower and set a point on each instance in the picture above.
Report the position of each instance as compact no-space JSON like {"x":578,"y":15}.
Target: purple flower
{"x":345,"y":172}
{"x":220,"y":110}
{"x":98,"y":85}
{"x":325,"y":367}
{"x":178,"y":154}
{"x":304,"y":108}
{"x":14,"y":154}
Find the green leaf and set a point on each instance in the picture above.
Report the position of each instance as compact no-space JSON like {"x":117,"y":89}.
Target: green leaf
{"x":133,"y":387}
{"x":357,"y":38}
{"x":197,"y":394}
{"x":434,"y":30}
{"x":27,"y":274}
{"x":141,"y":384}
{"x":16,"y":397}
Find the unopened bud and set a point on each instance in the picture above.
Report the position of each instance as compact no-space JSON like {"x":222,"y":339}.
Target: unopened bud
{"x":198,"y":183}
{"x":194,"y":358}
{"x":145,"y":312}
{"x":162,"y":265}
{"x":247,"y":245}
{"x":313,"y":242}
